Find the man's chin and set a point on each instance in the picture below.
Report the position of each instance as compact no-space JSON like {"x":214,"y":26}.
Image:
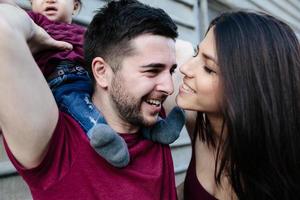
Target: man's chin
{"x":150,"y":121}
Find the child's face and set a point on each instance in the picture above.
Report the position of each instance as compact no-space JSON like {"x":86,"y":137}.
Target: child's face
{"x":56,"y":10}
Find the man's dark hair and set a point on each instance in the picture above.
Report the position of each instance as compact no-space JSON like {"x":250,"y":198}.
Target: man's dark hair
{"x":109,"y":33}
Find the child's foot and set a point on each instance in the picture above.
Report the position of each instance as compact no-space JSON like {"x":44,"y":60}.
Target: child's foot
{"x":109,"y":145}
{"x":166,"y":131}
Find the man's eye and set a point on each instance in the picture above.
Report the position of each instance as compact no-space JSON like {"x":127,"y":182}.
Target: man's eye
{"x":152,"y":71}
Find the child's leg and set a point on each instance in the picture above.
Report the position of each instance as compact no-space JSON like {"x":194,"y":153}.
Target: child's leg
{"x":71,"y":92}
{"x":166,"y":131}
{"x":106,"y":142}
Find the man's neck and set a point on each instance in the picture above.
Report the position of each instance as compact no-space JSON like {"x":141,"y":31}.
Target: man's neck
{"x":112,"y":117}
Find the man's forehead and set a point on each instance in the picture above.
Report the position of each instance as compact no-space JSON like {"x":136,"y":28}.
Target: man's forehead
{"x":148,"y":50}
{"x":149,"y":40}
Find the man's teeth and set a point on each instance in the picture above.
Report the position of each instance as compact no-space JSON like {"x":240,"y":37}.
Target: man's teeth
{"x":187,"y":88}
{"x":154,"y":102}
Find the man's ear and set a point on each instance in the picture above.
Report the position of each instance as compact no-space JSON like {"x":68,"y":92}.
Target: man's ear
{"x":101,"y":71}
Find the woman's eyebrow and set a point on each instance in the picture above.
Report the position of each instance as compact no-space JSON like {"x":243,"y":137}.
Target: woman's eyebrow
{"x":209,"y":57}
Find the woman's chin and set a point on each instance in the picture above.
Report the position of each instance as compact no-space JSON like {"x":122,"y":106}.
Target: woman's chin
{"x":186,"y":104}
{"x":182,"y":103}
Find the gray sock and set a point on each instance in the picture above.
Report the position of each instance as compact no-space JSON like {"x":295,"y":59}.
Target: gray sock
{"x":166,"y":131}
{"x":109,"y":145}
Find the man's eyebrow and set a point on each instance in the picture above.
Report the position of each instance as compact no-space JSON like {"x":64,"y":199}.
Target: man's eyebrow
{"x":209,"y":57}
{"x":159,"y":66}
{"x":154,"y":65}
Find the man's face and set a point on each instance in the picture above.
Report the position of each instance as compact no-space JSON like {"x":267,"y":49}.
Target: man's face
{"x":144,"y":80}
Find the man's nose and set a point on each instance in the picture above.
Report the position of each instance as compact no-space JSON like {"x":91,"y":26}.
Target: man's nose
{"x":165,"y":84}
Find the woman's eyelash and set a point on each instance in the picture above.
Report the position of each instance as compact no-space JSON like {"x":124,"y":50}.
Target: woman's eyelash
{"x":208,"y":70}
{"x":196,"y":51}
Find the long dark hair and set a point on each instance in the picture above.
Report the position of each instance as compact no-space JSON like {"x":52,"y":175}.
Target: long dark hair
{"x":259,"y":60}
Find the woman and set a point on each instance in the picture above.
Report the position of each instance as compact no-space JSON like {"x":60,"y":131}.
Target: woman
{"x":244,"y":84}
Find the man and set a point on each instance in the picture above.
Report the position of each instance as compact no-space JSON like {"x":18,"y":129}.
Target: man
{"x":130,"y":51}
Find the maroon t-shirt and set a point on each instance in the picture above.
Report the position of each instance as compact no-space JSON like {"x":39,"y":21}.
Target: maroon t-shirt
{"x":71,"y":33}
{"x":73,"y":170}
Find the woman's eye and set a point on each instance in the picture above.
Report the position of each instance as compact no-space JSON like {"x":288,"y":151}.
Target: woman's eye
{"x":208,"y":70}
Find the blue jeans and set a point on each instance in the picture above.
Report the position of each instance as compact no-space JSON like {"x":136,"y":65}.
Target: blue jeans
{"x":72,"y":88}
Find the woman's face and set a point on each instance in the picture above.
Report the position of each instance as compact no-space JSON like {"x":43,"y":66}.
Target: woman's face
{"x":200,"y":90}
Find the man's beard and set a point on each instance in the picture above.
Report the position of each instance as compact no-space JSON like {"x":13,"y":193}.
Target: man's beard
{"x":128,"y":107}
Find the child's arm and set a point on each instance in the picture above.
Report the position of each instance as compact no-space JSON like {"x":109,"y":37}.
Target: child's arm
{"x":28,"y":112}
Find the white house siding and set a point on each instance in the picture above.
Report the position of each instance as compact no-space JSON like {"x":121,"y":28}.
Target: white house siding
{"x":192,"y":17}
{"x":286,"y":10}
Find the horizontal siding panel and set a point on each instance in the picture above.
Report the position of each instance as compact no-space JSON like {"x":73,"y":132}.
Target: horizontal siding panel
{"x":6,"y":168}
{"x":294,"y":3}
{"x":88,"y":11}
{"x":181,"y":157}
{"x":179,"y":178}
{"x":288,"y":8}
{"x":14,"y":188}
{"x":182,"y":13}
{"x":187,"y":2}
{"x":271,"y":8}
{"x":237,"y":4}
{"x":3,"y":156}
{"x":23,"y":3}
{"x":183,"y":139}
{"x":187,"y":34}
{"x":279,"y":10}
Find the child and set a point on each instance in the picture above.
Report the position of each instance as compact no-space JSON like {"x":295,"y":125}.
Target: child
{"x":71,"y":85}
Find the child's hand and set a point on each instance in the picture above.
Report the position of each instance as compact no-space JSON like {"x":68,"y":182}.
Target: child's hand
{"x":41,"y":40}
